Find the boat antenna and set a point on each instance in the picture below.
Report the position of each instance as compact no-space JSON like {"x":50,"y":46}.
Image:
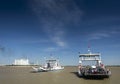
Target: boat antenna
{"x":89,"y":51}
{"x":51,"y":56}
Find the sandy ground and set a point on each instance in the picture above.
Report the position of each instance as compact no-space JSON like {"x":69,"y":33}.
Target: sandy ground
{"x":24,"y":75}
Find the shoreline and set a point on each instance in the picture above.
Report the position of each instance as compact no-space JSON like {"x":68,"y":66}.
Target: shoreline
{"x":40,"y":65}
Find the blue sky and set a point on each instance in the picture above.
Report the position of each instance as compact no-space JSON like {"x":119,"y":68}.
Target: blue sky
{"x":38,"y":28}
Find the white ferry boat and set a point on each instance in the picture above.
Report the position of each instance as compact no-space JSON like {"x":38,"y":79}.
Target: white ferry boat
{"x":50,"y":65}
{"x":96,"y":70}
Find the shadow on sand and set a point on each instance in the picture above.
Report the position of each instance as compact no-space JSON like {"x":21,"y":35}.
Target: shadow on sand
{"x":87,"y":78}
{"x":37,"y":71}
{"x":34,"y":72}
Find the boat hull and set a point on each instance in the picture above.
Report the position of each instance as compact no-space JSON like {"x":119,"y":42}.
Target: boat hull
{"x":96,"y":74}
{"x":41,"y":69}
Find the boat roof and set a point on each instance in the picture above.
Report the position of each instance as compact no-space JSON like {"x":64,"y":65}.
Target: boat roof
{"x":51,"y":60}
{"x":91,"y":55}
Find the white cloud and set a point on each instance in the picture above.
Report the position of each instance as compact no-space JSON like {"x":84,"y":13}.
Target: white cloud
{"x":56,"y":35}
{"x":98,"y":36}
{"x":61,"y":43}
{"x":102,"y":34}
{"x":65,"y":11}
{"x":55,"y":15}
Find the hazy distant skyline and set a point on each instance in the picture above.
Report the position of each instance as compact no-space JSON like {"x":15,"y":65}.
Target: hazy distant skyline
{"x":38,"y":28}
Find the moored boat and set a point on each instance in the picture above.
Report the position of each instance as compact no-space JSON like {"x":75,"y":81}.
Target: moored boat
{"x":96,"y":70}
{"x":50,"y":65}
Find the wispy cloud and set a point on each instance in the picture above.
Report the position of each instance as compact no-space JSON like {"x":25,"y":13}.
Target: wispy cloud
{"x":99,"y":35}
{"x":56,"y":35}
{"x":65,"y":11}
{"x":102,"y":34}
{"x":55,"y":15}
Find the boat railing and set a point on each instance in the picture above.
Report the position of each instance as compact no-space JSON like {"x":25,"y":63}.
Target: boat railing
{"x":95,"y":71}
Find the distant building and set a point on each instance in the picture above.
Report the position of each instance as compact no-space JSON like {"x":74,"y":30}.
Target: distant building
{"x":21,"y":62}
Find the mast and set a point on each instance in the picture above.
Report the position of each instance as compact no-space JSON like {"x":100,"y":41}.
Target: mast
{"x":89,"y":50}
